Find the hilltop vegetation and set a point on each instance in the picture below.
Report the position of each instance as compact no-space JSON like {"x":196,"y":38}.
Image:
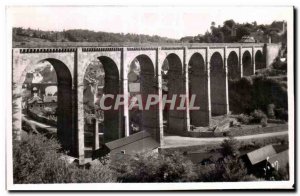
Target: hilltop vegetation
{"x":228,"y":33}
{"x":233,"y":32}
{"x":79,"y":35}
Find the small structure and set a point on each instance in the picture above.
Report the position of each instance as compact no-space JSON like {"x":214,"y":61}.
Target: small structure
{"x":280,"y":160}
{"x":261,"y":154}
{"x":263,"y":161}
{"x":247,"y":39}
{"x":140,"y":142}
{"x":256,"y":161}
{"x":35,"y":101}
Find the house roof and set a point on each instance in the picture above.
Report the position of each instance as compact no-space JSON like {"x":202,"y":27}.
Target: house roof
{"x":35,"y":99}
{"x":281,"y":158}
{"x":248,"y":39}
{"x":261,"y":154}
{"x":142,"y":140}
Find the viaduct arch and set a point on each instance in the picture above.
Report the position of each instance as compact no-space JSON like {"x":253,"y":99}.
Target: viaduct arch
{"x":198,"y":86}
{"x":233,"y":66}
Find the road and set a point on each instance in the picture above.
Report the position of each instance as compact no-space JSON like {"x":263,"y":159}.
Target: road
{"x":178,"y":141}
{"x":38,"y":124}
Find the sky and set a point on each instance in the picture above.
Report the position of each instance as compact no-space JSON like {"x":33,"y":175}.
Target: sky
{"x":173,"y":22}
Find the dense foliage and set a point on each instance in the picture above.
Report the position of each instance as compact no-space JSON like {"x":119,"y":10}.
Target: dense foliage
{"x":230,"y":147}
{"x":257,"y":93}
{"x":39,"y":160}
{"x":230,"y":169}
{"x":80,"y":35}
{"x":156,"y":168}
{"x":233,"y":32}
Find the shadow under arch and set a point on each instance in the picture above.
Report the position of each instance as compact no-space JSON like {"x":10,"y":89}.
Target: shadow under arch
{"x":141,"y":82}
{"x":101,"y":77}
{"x":173,"y":84}
{"x":112,"y":120}
{"x":198,"y":88}
{"x":217,"y":85}
{"x":247,"y":64}
{"x":66,"y":133}
{"x":260,"y":62}
{"x":233,"y":66}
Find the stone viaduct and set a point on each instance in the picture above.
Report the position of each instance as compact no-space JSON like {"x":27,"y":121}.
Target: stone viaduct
{"x":201,"y":69}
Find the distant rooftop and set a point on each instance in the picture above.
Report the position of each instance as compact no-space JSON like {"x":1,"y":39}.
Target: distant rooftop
{"x":135,"y":143}
{"x":281,"y":158}
{"x":261,"y":154}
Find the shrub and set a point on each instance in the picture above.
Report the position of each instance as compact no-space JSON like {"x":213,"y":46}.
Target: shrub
{"x":243,"y":118}
{"x":281,"y":174}
{"x":279,"y":65}
{"x":270,"y":110}
{"x":271,"y":72}
{"x":281,"y":113}
{"x":230,"y":147}
{"x":36,"y":160}
{"x":99,"y":173}
{"x":155,"y":168}
{"x":269,"y":91}
{"x":248,"y":94}
{"x":258,"y":117}
{"x":231,"y":169}
{"x":264,"y":122}
{"x":209,"y":173}
{"x":240,"y":95}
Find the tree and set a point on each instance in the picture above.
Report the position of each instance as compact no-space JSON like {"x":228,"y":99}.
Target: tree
{"x":230,"y":147}
{"x":229,"y":23}
{"x":155,"y":168}
{"x":242,"y":31}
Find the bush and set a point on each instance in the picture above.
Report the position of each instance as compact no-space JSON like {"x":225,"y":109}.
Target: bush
{"x":36,"y":160}
{"x":279,"y":65}
{"x":257,"y":92}
{"x":258,"y":117}
{"x":99,"y":173}
{"x":240,"y":95}
{"x":230,"y":147}
{"x":270,"y":111}
{"x":270,"y":72}
{"x":155,"y":168}
{"x":281,"y":113}
{"x":231,"y":169}
{"x":264,"y":122}
{"x":210,"y":173}
{"x":243,"y":118}
{"x":281,"y":174}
